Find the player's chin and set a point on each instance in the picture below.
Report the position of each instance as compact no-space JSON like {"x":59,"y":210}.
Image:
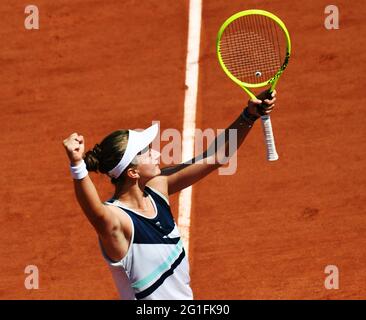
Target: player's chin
{"x":154,"y":173}
{"x":157,"y":170}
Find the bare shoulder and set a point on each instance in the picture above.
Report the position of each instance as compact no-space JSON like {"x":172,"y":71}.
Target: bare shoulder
{"x":159,"y":183}
{"x":114,"y":211}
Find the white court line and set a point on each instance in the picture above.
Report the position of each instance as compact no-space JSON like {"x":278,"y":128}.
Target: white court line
{"x":190,"y":104}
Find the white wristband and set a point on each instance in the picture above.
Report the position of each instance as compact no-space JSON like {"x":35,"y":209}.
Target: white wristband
{"x":79,"y":172}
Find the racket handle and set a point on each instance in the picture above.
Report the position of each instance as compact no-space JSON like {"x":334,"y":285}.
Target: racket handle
{"x":269,"y":138}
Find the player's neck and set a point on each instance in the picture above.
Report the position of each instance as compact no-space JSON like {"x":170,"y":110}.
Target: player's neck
{"x":132,"y":194}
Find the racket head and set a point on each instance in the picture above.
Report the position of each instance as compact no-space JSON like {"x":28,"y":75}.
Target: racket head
{"x":253,"y":48}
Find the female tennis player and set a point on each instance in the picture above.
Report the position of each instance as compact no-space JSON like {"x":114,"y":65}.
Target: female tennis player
{"x":137,"y":233}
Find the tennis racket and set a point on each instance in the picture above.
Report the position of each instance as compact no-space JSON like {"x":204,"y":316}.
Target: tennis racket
{"x":253,"y":48}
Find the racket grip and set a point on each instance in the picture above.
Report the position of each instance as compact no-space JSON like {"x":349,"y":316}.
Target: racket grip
{"x":269,"y":138}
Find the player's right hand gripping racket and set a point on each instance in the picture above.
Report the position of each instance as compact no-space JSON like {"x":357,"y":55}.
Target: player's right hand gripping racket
{"x":253,"y":48}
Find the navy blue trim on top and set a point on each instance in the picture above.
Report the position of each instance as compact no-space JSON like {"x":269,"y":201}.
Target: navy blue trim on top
{"x":152,"y":230}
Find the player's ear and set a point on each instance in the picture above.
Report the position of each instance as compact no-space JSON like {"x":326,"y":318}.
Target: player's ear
{"x":133,"y":173}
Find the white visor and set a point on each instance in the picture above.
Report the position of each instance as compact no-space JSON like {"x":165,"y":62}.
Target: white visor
{"x":137,"y":141}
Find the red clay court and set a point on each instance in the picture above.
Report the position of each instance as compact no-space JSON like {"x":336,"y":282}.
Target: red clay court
{"x":266,"y":232}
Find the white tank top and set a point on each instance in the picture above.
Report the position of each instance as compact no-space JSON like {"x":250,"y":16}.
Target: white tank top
{"x":155,"y":266}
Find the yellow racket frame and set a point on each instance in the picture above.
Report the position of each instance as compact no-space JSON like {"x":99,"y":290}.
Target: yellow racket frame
{"x":274,"y":79}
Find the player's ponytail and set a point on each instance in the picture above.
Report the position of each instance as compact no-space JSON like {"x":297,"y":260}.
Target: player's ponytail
{"x":92,"y":158}
{"x":106,"y":155}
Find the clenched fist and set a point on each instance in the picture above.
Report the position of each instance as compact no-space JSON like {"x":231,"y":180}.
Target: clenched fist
{"x":74,"y":146}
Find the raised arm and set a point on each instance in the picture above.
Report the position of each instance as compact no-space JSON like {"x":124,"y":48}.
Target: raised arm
{"x":185,"y":174}
{"x":99,"y":215}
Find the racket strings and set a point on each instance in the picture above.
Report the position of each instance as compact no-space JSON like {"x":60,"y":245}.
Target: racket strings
{"x":256,"y":36}
{"x":245,"y":59}
{"x":251,"y":48}
{"x":236,"y":59}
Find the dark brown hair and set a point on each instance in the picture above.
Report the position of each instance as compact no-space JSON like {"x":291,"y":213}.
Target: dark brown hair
{"x":106,"y":155}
